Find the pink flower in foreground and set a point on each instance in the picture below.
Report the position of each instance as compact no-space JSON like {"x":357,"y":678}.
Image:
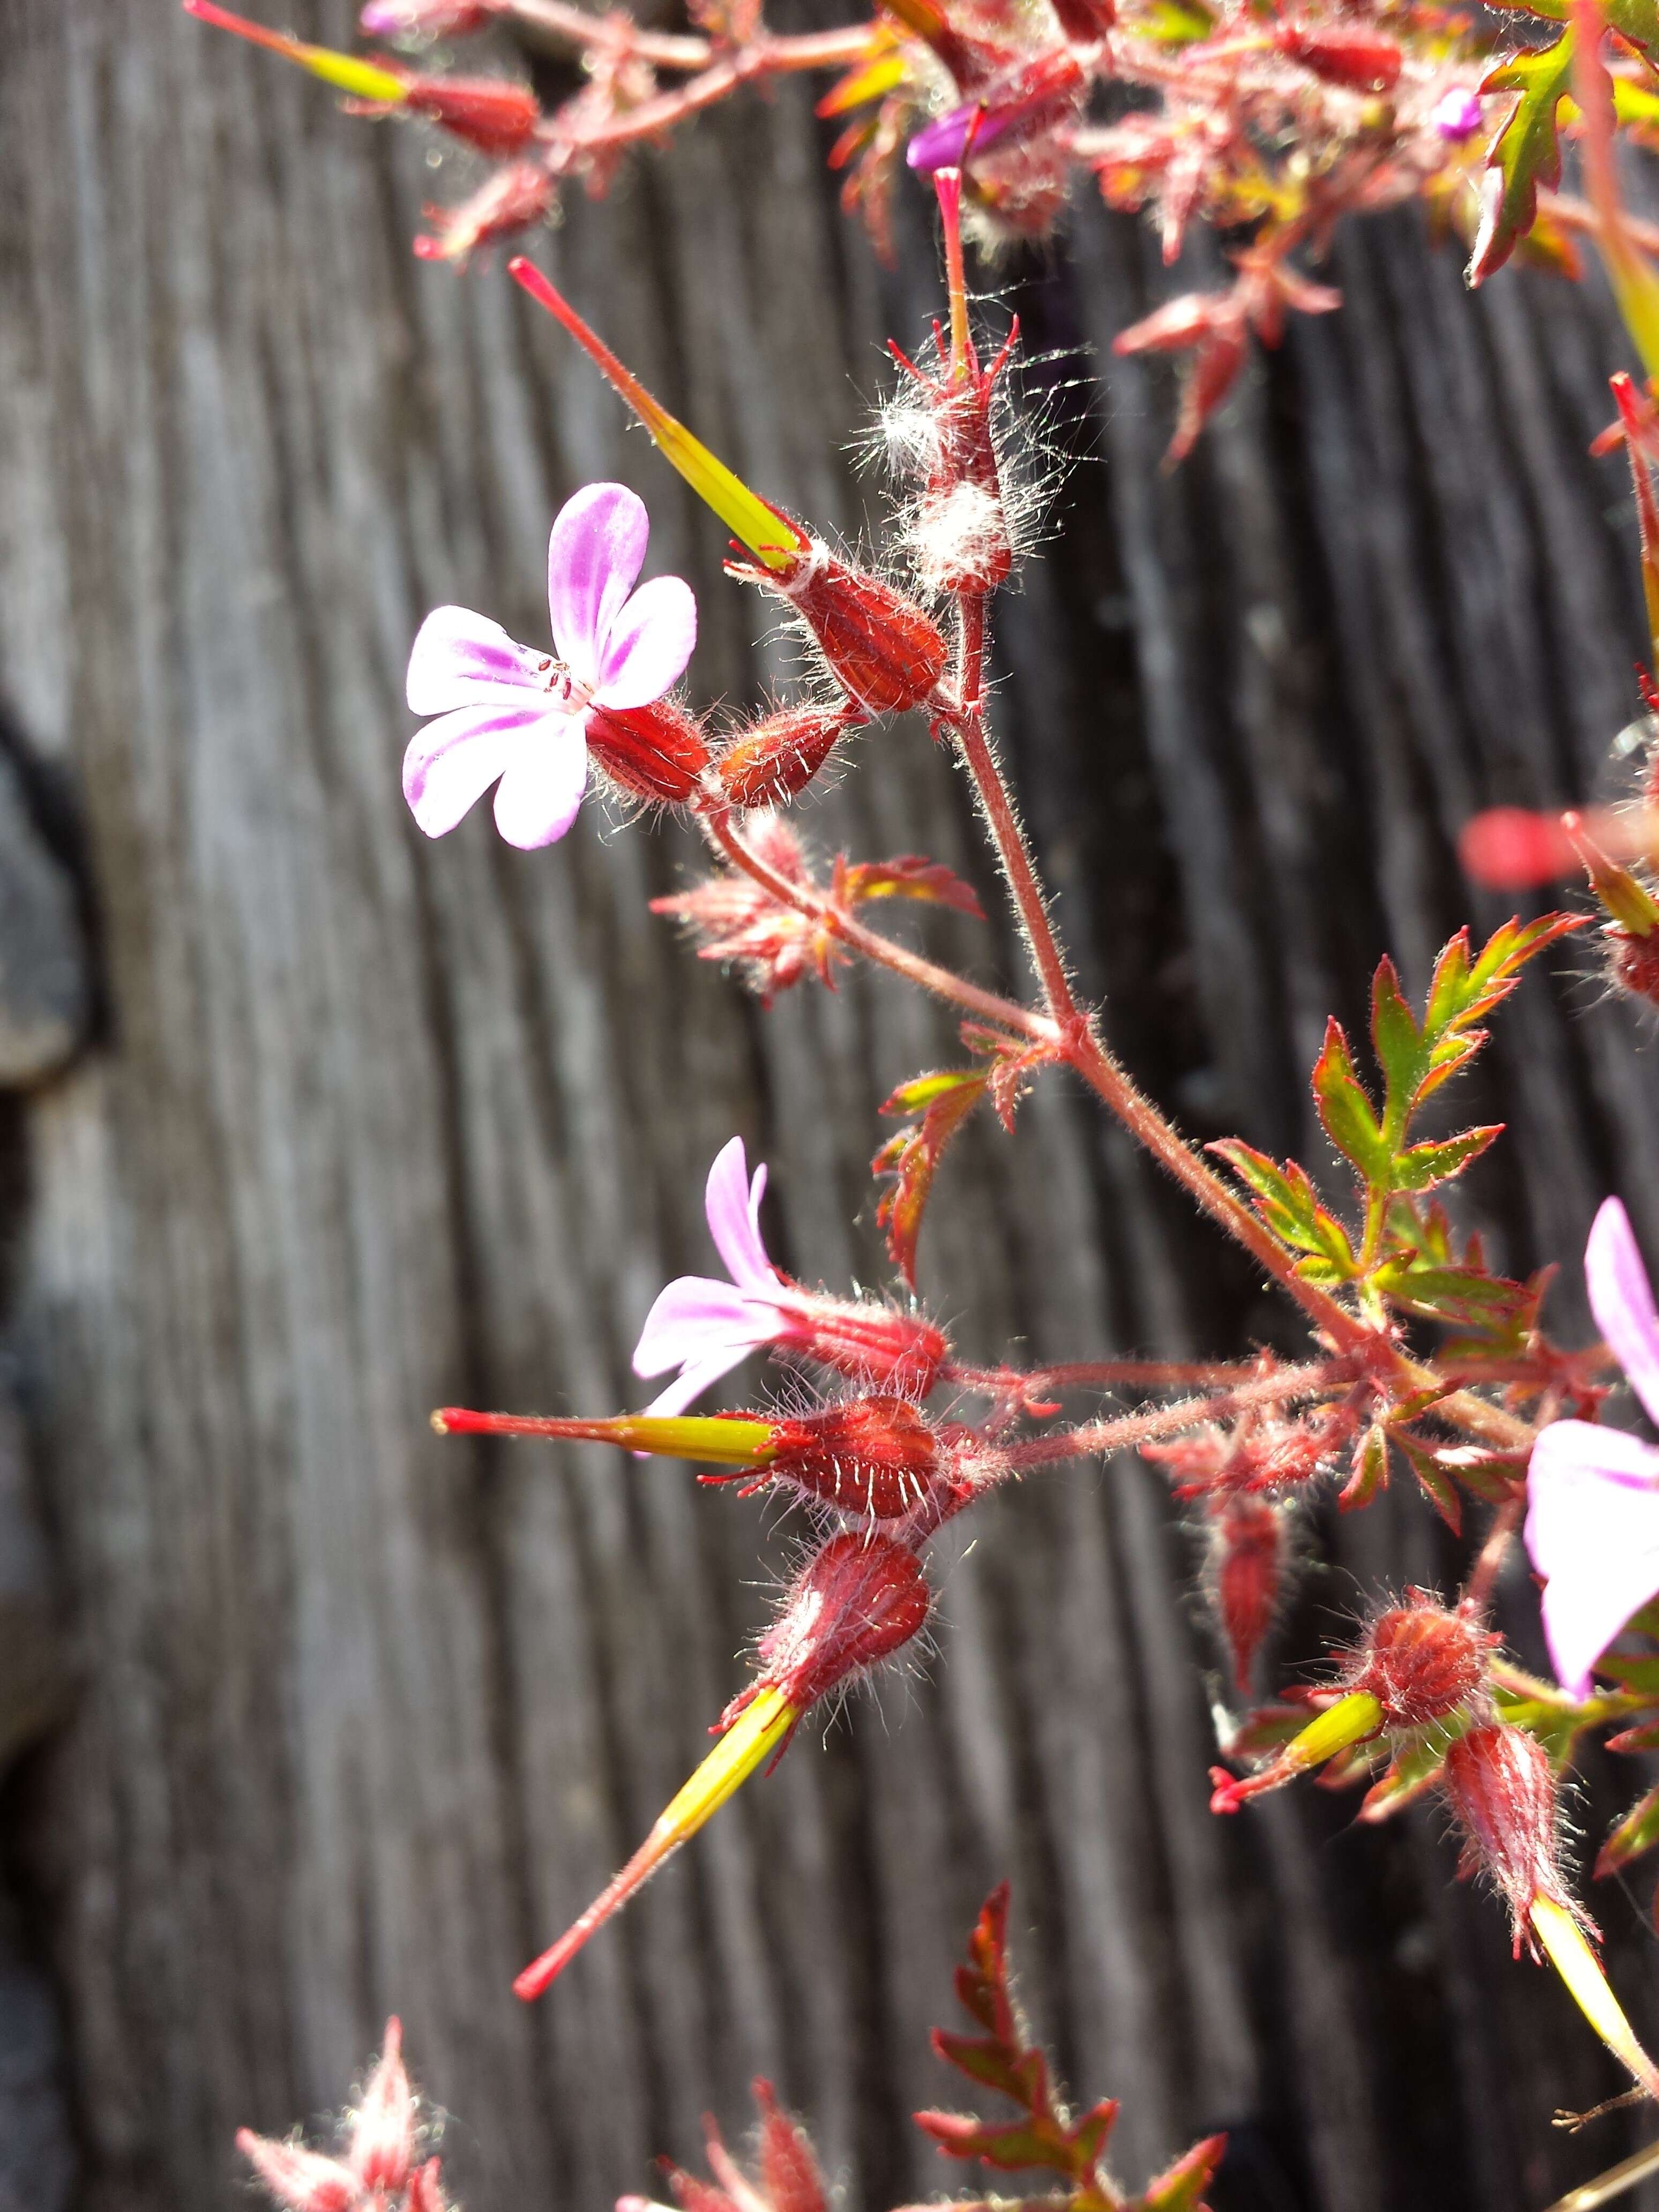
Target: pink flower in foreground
{"x":517,"y":718}
{"x":705,"y":1327}
{"x":1593,"y":1493}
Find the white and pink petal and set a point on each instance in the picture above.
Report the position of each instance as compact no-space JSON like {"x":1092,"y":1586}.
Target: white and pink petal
{"x":542,"y":790}
{"x":1592,"y":1532}
{"x":452,"y":762}
{"x":462,"y":660}
{"x":594,"y":555}
{"x":1621,"y":1298}
{"x":645,"y":649}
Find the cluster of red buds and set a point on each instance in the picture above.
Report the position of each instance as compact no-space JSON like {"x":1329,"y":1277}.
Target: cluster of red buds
{"x":786,"y":2179}
{"x":1244,"y":1481}
{"x":380,"y":2168}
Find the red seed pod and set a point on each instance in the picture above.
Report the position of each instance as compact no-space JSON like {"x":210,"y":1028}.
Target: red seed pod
{"x":1421,"y":1663}
{"x":876,"y":1459}
{"x":492,"y":114}
{"x":1633,"y":963}
{"x":1500,"y":1787}
{"x":654,"y":752}
{"x":1247,"y":1566}
{"x":776,"y":759}
{"x":860,"y":1601}
{"x":882,"y":649}
{"x":1362,"y":60}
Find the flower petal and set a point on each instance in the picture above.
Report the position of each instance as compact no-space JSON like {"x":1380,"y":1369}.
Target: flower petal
{"x":452,"y":762}
{"x":1622,"y":1301}
{"x":543,"y":788}
{"x":462,"y":660}
{"x":733,"y":1206}
{"x":696,"y":1317}
{"x":593,"y":555}
{"x":647,"y":648}
{"x":690,"y":1384}
{"x":1593,"y":1532}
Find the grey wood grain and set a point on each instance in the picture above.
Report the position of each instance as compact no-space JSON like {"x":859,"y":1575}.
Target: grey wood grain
{"x":374,"y":1126}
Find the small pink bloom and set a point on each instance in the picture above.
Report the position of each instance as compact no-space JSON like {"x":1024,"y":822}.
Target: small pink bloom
{"x":705,"y":1327}
{"x":1593,"y":1493}
{"x":510,"y":716}
{"x":424,"y":19}
{"x":1457,"y":115}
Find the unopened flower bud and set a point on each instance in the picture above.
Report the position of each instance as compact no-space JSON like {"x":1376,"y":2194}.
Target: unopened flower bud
{"x":1362,"y":60}
{"x":383,"y":2134}
{"x":1023,"y":100}
{"x":1455,"y":115}
{"x":789,"y":2176}
{"x":860,"y":1601}
{"x":1421,"y":1663}
{"x":1633,"y":963}
{"x":775,"y":758}
{"x":510,"y":201}
{"x":881,"y":647}
{"x":492,"y":114}
{"x":1247,"y":1570}
{"x":655,"y":752}
{"x":1498,"y":1781}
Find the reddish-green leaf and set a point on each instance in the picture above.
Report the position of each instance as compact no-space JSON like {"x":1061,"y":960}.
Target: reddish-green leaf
{"x":1288,"y":1203}
{"x":908,"y":875}
{"x":1637,"y":1832}
{"x":1527,"y":153}
{"x":1369,"y":1471}
{"x":1437,"y":1484}
{"x":943,"y":1100}
{"x":1421,"y":1166}
{"x":1180,"y":2188}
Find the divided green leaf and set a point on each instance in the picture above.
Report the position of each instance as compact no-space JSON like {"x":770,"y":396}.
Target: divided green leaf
{"x":943,"y":1099}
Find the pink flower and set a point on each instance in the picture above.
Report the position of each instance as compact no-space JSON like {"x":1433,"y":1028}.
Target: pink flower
{"x":509,"y":715}
{"x":1457,"y":115}
{"x":705,"y":1327}
{"x":1593,"y":1493}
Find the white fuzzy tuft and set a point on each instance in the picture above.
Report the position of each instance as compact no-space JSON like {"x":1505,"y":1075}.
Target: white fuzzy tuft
{"x":957,"y":536}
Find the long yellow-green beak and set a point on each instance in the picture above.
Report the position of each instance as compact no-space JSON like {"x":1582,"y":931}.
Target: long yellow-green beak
{"x":763,"y":1727}
{"x":721,"y":1439}
{"x":1571,"y":1955}
{"x":1352,"y":1719}
{"x":776,"y":542}
{"x":345,"y":71}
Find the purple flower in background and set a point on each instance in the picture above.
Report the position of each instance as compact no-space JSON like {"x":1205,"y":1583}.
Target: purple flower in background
{"x":512,"y":716}
{"x":704,"y":1326}
{"x":1593,"y":1493}
{"x":1457,"y":115}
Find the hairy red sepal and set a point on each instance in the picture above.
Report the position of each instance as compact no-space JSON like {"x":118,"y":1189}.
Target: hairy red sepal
{"x":1247,"y":1565}
{"x":492,"y":114}
{"x":654,"y":752}
{"x":875,"y":1459}
{"x":775,"y":759}
{"x":1362,"y":60}
{"x":511,"y":200}
{"x":880,"y":646}
{"x":1498,"y":1783}
{"x":1421,"y":1663}
{"x":862,"y":1598}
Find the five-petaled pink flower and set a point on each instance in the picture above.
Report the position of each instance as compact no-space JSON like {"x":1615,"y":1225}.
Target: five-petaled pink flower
{"x":509,"y":715}
{"x":704,"y":1326}
{"x":1593,"y":1493}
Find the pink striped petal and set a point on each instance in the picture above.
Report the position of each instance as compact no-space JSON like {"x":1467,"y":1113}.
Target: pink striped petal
{"x":1622,"y":1301}
{"x":452,"y":762}
{"x":1593,"y":1532}
{"x":462,"y":660}
{"x":647,"y":648}
{"x":690,"y":1384}
{"x":694,"y":1317}
{"x":543,"y":787}
{"x":593,"y":556}
{"x":733,"y":1206}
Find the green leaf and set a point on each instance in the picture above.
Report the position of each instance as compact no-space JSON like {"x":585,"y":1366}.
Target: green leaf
{"x":1288,"y":1203}
{"x":1345,"y":1111}
{"x":1180,"y":2187}
{"x":1437,"y":1484}
{"x":1424,"y":1166}
{"x":1369,"y":1470}
{"x":1528,"y":152}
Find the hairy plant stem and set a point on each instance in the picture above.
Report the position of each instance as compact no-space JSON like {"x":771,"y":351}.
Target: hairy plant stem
{"x":1315,"y":1378}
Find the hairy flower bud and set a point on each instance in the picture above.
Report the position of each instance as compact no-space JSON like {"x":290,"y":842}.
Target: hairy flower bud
{"x":881,"y":647}
{"x":860,"y":1601}
{"x":1499,"y":1785}
{"x":425,"y":19}
{"x":654,"y":752}
{"x":1421,"y":1663}
{"x":775,"y":758}
{"x":1246,"y":1571}
{"x":383,"y":2133}
{"x":510,"y":201}
{"x":1026,"y":99}
{"x":1633,"y":963}
{"x":1362,"y":60}
{"x":492,"y":114}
